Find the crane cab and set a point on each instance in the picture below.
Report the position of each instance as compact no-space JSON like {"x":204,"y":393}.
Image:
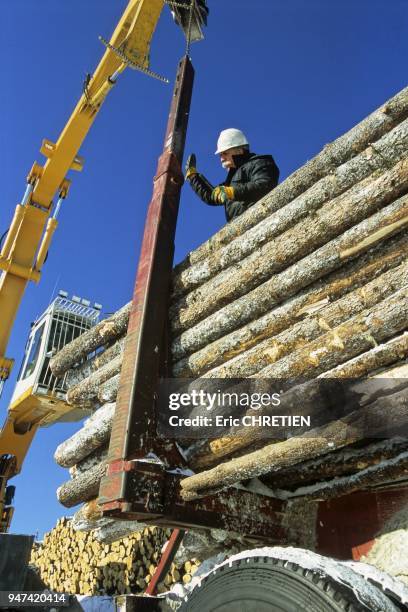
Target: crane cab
{"x":38,"y":395}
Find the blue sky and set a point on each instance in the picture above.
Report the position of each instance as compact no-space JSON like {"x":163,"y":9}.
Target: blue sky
{"x":293,"y":74}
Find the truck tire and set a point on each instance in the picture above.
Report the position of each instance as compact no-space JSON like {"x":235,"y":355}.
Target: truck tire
{"x":264,"y":584}
{"x":394,"y":589}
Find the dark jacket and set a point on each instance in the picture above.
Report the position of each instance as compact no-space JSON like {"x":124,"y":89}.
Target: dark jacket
{"x":254,"y":176}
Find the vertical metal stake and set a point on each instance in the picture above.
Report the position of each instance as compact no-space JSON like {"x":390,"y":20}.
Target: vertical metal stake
{"x":134,"y":423}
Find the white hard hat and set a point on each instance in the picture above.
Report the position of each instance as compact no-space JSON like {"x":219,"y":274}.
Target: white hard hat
{"x":230,"y":138}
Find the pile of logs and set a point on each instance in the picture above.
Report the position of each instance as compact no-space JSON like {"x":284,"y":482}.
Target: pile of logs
{"x":309,"y":282}
{"x":75,"y":562}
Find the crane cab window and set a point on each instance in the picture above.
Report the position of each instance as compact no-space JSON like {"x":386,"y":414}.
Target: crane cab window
{"x":63,"y":330}
{"x":33,"y":353}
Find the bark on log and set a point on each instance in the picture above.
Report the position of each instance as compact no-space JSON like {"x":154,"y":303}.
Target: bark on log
{"x":333,"y":155}
{"x":399,"y":371}
{"x":301,"y":334}
{"x":104,"y":333}
{"x":310,"y":396}
{"x":89,"y":517}
{"x":76,"y":375}
{"x":110,"y":353}
{"x":375,"y":475}
{"x":320,"y":441}
{"x":345,"y":462}
{"x":378,"y":357}
{"x":109,"y":390}
{"x":117,"y":530}
{"x":98,"y":455}
{"x":316,"y":230}
{"x":345,"y":341}
{"x":91,"y":510}
{"x":81,"y":371}
{"x":79,"y":523}
{"x":95,"y":433}
{"x":389,"y":221}
{"x":319,"y":294}
{"x":386,"y":152}
{"x":83,"y":488}
{"x":216,"y":450}
{"x":86,"y":392}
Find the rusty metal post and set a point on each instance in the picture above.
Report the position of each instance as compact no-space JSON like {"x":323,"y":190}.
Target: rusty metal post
{"x":134,"y":423}
{"x":166,"y":560}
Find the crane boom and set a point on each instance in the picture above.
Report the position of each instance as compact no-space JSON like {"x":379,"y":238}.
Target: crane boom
{"x":35,"y":219}
{"x":34,"y":222}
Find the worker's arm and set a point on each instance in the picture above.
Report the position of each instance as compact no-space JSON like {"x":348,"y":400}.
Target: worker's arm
{"x":199,"y":183}
{"x":203,"y":189}
{"x":264,"y":177}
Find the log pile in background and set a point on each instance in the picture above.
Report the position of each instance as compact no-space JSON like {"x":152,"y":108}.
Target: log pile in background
{"x":311,"y":281}
{"x":74,"y":562}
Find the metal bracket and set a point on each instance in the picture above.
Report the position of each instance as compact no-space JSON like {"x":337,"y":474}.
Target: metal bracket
{"x":153,"y":497}
{"x":48,"y":149}
{"x":35,"y":173}
{"x":191,"y":15}
{"x":118,"y":51}
{"x":139,"y":480}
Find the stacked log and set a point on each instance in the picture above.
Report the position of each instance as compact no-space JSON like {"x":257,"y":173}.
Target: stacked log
{"x":310,"y":282}
{"x":101,"y":336}
{"x":75,"y":562}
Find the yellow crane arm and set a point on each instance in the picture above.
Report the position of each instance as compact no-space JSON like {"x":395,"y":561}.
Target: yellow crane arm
{"x":35,"y":219}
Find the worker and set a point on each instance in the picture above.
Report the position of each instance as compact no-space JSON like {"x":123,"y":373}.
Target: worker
{"x":249,"y":177}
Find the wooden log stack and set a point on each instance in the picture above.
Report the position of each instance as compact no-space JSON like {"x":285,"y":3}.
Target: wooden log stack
{"x":75,"y":562}
{"x":309,"y":282}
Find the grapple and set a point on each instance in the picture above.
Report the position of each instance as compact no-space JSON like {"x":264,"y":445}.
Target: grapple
{"x":191,"y":16}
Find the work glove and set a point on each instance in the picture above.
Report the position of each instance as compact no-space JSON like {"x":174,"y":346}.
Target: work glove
{"x":221,"y":194}
{"x":190,"y":166}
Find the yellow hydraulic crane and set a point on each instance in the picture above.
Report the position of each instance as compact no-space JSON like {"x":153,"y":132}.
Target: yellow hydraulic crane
{"x":35,"y":219}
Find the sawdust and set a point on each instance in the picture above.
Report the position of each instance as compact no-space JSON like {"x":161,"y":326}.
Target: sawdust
{"x":389,"y":552}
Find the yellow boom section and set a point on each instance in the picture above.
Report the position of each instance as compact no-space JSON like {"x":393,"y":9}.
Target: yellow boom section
{"x":34,"y":222}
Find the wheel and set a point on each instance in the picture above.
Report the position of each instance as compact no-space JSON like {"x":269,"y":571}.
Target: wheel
{"x":394,"y":589}
{"x":264,"y":583}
